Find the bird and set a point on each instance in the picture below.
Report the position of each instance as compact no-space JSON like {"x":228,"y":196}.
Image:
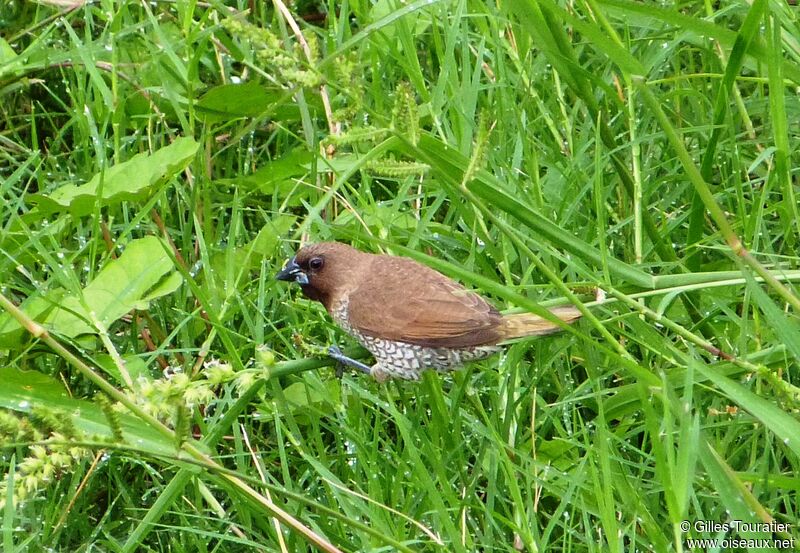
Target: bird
{"x":409,"y":316}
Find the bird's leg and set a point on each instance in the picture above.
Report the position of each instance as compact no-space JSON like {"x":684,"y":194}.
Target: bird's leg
{"x":335,"y":353}
{"x":379,"y":374}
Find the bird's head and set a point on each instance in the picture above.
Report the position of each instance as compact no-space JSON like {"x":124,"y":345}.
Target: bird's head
{"x":325,"y":270}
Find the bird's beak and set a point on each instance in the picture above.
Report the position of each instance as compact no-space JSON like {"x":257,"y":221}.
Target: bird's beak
{"x":292,"y":271}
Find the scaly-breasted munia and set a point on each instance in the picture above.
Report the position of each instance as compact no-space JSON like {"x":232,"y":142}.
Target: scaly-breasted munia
{"x":409,"y":316}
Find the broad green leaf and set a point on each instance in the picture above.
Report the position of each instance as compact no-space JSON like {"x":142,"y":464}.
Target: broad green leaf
{"x":414,"y":20}
{"x":163,"y":288}
{"x":20,"y":387}
{"x":233,"y":101}
{"x":134,"y":179}
{"x":378,"y":218}
{"x":7,"y":53}
{"x":125,"y":283}
{"x":305,"y":400}
{"x":134,"y":364}
{"x":268,"y":238}
{"x":263,"y":245}
{"x":300,"y":395}
{"x":23,"y":391}
{"x":36,"y":307}
{"x":9,"y":62}
{"x":558,"y":452}
{"x":17,"y":237}
{"x":279,"y":177}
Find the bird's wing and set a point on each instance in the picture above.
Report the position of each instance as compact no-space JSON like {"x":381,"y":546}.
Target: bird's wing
{"x":402,"y":300}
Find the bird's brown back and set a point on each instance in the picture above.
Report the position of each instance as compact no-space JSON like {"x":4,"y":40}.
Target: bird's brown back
{"x":402,"y":300}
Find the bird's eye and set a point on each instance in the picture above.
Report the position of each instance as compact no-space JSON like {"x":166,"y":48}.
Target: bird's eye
{"x":315,"y":264}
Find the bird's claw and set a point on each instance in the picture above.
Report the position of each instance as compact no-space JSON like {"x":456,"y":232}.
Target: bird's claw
{"x":335,"y":353}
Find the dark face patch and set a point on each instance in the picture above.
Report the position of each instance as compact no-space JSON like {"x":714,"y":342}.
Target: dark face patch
{"x":323,"y":269}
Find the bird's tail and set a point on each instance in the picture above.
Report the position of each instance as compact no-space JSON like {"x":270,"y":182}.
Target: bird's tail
{"x":520,"y":325}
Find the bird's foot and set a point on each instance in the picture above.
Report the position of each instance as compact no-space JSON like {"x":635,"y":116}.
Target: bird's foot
{"x":379,"y":374}
{"x":599,"y":295}
{"x":333,"y":352}
{"x":342,"y":361}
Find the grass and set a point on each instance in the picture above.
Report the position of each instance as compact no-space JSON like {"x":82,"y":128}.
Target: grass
{"x":160,"y":162}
